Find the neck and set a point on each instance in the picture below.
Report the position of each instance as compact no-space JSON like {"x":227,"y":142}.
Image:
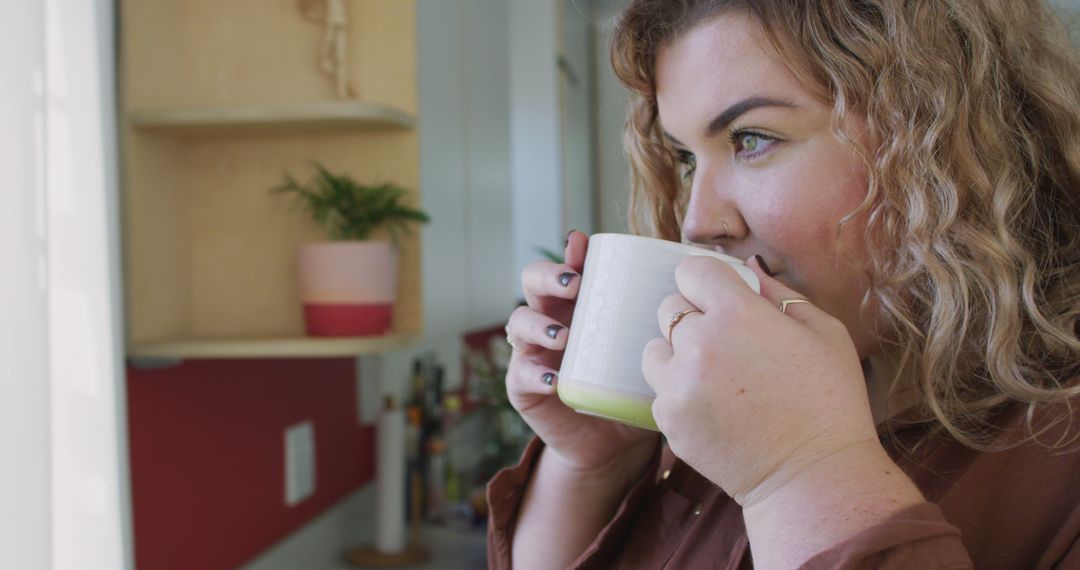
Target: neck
{"x":880,"y":370}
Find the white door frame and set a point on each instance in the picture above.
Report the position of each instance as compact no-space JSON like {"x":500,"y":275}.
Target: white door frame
{"x":64,"y":497}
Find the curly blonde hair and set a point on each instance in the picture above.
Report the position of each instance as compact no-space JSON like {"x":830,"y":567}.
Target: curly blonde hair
{"x":973,"y":205}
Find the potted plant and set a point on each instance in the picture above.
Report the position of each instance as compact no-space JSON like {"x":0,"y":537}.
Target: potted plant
{"x":348,"y":286}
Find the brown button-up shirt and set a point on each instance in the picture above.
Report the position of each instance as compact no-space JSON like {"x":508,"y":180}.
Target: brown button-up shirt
{"x":1013,"y":509}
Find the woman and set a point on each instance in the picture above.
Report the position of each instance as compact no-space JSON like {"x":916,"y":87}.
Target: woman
{"x":910,"y":168}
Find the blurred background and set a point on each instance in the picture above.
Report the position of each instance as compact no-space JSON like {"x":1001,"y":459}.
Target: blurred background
{"x":257,"y":260}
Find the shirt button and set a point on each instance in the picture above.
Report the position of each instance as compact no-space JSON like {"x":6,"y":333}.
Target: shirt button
{"x":667,"y":473}
{"x":697,"y":509}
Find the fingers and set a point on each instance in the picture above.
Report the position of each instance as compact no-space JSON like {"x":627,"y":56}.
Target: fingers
{"x":529,"y":377}
{"x":544,"y":279}
{"x":533,"y":332}
{"x":540,"y":341}
{"x":576,"y":245}
{"x":672,"y":305}
{"x":775,"y":291}
{"x":707,"y":282}
{"x":654,"y":359}
{"x":539,"y":331}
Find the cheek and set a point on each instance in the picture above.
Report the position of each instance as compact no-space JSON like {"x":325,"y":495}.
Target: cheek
{"x":809,"y":194}
{"x":797,"y":215}
{"x":798,"y":212}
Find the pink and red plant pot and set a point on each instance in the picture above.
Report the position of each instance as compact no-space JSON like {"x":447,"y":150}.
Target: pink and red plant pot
{"x":348,"y":288}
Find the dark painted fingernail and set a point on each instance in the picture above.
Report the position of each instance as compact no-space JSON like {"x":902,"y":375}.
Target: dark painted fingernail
{"x":566,"y":240}
{"x":548,"y":378}
{"x":553,"y":330}
{"x":566,"y":278}
{"x":765,"y":266}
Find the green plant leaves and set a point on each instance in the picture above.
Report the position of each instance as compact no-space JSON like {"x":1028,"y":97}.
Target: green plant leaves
{"x":349,"y":210}
{"x":549,"y":254}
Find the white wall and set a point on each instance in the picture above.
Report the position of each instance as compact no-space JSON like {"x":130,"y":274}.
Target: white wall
{"x":535,"y":130}
{"x":1070,"y":6}
{"x":611,"y":102}
{"x":25,"y":497}
{"x":1070,"y":11}
{"x":63,"y":489}
{"x":577,"y":124}
{"x":465,"y":164}
{"x":492,"y":281}
{"x":91,"y":520}
{"x":443,"y":168}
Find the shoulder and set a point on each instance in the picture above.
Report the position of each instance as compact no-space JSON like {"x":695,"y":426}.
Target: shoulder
{"x":1027,"y":489}
{"x":1038,"y":439}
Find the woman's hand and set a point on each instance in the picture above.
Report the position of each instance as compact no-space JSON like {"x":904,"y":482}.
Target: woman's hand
{"x":750,"y":397}
{"x":589,"y":463}
{"x":539,"y":332}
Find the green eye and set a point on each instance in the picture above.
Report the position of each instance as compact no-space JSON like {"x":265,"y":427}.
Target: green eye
{"x":750,"y":145}
{"x":750,"y":142}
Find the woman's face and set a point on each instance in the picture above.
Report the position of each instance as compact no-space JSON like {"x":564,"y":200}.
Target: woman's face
{"x":767,"y":175}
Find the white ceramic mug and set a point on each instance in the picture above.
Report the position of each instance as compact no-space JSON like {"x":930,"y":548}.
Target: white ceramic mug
{"x":625,"y":279}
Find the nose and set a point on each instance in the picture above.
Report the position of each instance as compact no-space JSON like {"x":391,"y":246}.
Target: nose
{"x":712,"y":216}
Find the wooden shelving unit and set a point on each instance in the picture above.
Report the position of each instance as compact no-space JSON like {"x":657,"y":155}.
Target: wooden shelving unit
{"x":272,"y":119}
{"x":209,"y":252}
{"x":299,"y":347}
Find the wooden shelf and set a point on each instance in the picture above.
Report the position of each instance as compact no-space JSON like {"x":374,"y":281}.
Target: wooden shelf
{"x":269,"y":119}
{"x":297,"y":347}
{"x":209,"y":256}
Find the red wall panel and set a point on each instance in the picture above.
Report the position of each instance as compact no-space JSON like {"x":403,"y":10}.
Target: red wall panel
{"x":207,"y":455}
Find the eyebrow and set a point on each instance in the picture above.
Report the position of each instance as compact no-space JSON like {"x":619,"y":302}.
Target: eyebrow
{"x":728,"y":116}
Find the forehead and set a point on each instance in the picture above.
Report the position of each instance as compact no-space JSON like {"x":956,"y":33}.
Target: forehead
{"x":719,"y":62}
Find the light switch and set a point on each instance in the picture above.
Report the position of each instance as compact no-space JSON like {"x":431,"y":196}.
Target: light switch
{"x":299,"y":462}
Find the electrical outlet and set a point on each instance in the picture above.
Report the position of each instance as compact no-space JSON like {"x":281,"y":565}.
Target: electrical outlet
{"x":299,"y":462}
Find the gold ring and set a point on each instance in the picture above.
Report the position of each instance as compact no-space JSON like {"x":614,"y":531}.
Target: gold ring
{"x":675,"y":318}
{"x":786,"y":302}
{"x":510,"y":341}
